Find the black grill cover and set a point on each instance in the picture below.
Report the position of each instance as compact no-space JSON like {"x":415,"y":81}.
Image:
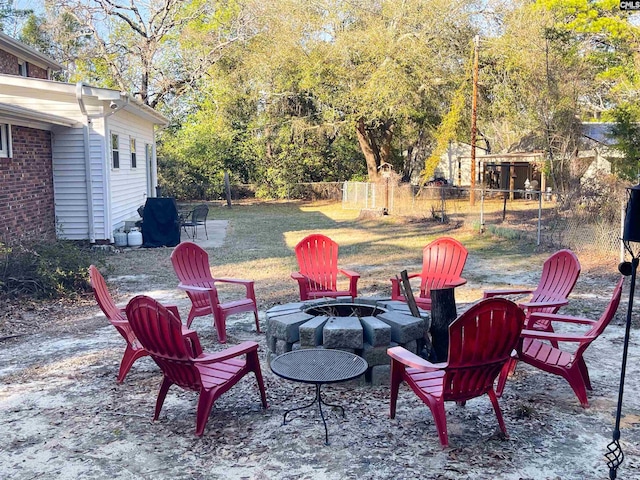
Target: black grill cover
{"x":160,"y":224}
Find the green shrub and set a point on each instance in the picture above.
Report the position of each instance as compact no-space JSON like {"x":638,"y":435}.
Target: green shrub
{"x":44,"y":269}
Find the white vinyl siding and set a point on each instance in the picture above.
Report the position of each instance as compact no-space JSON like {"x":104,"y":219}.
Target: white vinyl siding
{"x":70,"y":185}
{"x":129,"y":186}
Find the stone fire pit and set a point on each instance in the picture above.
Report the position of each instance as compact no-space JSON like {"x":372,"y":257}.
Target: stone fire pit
{"x":364,"y":326}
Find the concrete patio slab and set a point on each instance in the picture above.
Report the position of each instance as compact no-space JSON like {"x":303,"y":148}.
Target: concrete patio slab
{"x":216,"y":229}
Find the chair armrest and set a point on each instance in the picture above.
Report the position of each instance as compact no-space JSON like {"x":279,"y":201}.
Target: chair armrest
{"x":556,"y":303}
{"x":554,"y":317}
{"x":239,"y":281}
{"x":455,"y":282}
{"x":409,"y":359}
{"x":244,"y":347}
{"x":173,"y":309}
{"x":349,"y":273}
{"x":193,"y":288}
{"x":191,"y":336}
{"x":304,"y":280}
{"x":558,"y":337}
{"x":120,"y":322}
{"x":412,"y":275}
{"x":396,"y":291}
{"x":506,"y":291}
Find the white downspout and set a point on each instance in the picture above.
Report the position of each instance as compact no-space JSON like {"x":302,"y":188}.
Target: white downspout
{"x":87,"y":158}
{"x":87,"y":162}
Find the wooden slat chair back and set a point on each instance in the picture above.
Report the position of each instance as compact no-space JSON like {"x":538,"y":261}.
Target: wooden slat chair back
{"x":560,"y":273}
{"x":442,"y":263}
{"x":191,"y":265}
{"x":318,"y":269}
{"x":118,"y":319}
{"x":480,"y":343}
{"x":182,"y":361}
{"x":539,"y":348}
{"x":160,"y":331}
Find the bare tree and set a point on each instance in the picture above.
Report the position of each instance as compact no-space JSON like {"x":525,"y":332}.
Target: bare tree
{"x":153,"y":49}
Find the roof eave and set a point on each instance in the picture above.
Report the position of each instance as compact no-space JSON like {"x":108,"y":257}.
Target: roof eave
{"x":100,"y":94}
{"x":15,"y":114}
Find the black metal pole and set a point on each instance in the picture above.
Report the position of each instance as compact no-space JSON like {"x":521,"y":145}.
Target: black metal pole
{"x":615,"y":454}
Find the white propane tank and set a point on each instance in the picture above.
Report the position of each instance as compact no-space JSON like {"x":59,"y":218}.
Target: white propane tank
{"x":134,"y":239}
{"x":120,"y":238}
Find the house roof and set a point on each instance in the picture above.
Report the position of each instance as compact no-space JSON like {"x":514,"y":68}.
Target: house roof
{"x":119,"y":99}
{"x":24,"y":51}
{"x":599,"y":132}
{"x":34,"y":118}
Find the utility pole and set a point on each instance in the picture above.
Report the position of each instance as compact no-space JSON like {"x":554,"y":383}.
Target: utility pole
{"x":474,"y":115}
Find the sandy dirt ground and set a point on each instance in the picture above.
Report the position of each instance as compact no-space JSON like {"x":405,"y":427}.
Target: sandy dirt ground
{"x":63,"y":416}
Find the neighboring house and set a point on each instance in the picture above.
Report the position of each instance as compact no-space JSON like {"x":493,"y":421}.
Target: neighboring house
{"x":502,"y":171}
{"x":511,"y":171}
{"x":599,"y":149}
{"x":74,"y":159}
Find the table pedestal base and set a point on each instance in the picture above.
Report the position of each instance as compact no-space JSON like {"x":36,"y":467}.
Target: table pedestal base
{"x":320,"y":402}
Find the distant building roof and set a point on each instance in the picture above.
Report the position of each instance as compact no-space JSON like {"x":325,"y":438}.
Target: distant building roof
{"x":599,"y":132}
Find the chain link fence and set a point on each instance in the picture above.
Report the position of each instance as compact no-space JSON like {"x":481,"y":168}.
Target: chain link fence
{"x":537,"y":217}
{"x":519,"y":214}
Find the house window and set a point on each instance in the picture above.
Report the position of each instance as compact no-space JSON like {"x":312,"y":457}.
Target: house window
{"x":115,"y":150}
{"x":22,"y":68}
{"x":5,"y":140}
{"x":133,"y":153}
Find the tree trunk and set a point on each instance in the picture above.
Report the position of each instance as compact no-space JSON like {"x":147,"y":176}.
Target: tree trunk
{"x":375,"y":145}
{"x":385,"y":144}
{"x":227,"y":189}
{"x":368,"y":150}
{"x":443,"y":312}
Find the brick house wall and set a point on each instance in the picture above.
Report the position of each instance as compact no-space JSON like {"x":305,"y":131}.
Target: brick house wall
{"x":8,"y":63}
{"x":9,"y":66}
{"x":26,"y":192}
{"x":34,"y":71}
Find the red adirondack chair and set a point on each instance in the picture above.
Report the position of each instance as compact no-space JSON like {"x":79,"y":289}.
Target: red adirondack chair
{"x":534,"y":349}
{"x":442,"y":264}
{"x":183,"y":362}
{"x":318,"y":269}
{"x":559,"y":275}
{"x":191,"y":264}
{"x":117,"y":317}
{"x":480,"y":343}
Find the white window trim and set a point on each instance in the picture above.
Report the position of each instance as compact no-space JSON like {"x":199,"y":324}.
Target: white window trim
{"x":133,"y":151}
{"x":117,"y":149}
{"x":5,"y":141}
{"x":22,"y":68}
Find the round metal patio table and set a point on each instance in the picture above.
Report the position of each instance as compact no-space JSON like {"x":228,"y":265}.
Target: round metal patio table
{"x":318,"y":366}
